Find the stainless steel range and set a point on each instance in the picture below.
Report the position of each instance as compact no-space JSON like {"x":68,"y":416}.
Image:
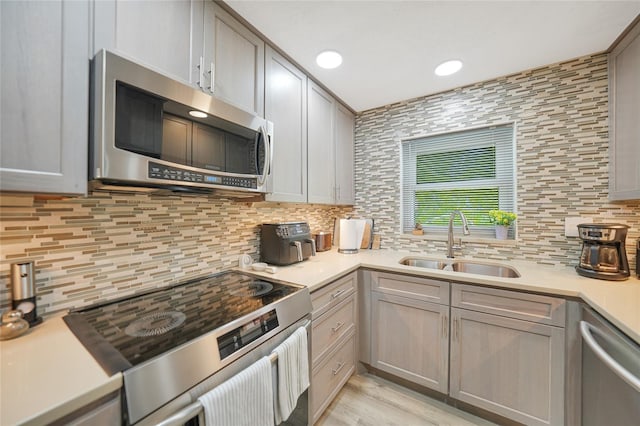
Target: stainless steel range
{"x":201,"y":332}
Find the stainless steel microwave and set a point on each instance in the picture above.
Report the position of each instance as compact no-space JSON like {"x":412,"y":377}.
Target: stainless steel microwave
{"x":150,"y":131}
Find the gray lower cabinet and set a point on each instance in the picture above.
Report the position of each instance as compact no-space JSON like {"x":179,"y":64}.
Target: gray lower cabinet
{"x":499,"y":350}
{"x":410,"y":328}
{"x":333,"y":341}
{"x":503,"y":363}
{"x":105,"y":411}
{"x":410,"y":339}
{"x":286,"y":107}
{"x":624,"y":110}
{"x":44,"y":55}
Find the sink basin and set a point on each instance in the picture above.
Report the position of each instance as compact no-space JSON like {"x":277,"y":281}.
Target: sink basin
{"x":467,"y":266}
{"x":423,"y":263}
{"x":485,"y":269}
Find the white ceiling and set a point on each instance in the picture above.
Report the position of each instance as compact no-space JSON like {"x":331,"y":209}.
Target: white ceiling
{"x":390,"y":48}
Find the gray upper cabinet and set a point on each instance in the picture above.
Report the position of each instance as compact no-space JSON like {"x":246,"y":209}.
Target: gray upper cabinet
{"x":344,"y":155}
{"x":321,"y":133}
{"x":45,"y":96}
{"x":193,"y":41}
{"x":232,"y":64}
{"x":330,"y":146}
{"x":286,"y":107}
{"x":624,"y":111}
{"x":156,"y":34}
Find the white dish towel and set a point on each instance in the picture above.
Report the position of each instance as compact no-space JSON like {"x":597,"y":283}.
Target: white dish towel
{"x":293,"y":373}
{"x":246,"y":399}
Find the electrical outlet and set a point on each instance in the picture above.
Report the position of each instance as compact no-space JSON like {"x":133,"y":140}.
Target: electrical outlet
{"x":571,"y":225}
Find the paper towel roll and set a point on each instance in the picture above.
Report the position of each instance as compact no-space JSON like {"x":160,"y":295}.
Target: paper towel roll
{"x":351,"y":231}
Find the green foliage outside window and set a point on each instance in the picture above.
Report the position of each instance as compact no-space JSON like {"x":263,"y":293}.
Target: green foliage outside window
{"x":432,"y":208}
{"x":456,"y":166}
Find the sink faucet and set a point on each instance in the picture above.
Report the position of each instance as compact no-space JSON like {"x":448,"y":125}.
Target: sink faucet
{"x":465,"y":231}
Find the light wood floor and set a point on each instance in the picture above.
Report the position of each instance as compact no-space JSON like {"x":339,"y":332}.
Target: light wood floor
{"x":368,"y":400}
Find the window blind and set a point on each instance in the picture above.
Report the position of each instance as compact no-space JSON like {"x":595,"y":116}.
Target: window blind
{"x":472,"y":171}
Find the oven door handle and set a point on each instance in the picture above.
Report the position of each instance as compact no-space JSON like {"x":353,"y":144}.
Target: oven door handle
{"x":184,"y":415}
{"x":587,"y":331}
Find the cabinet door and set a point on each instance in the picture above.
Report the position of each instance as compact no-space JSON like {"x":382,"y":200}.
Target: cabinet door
{"x":155,"y":33}
{"x":510,"y":367}
{"x":344,"y":155}
{"x":286,"y":107}
{"x":410,"y":339}
{"x":321,"y":145}
{"x":233,"y":60}
{"x":624,"y":109}
{"x":44,"y":57}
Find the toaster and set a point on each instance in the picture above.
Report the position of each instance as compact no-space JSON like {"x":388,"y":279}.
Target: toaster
{"x":286,"y":243}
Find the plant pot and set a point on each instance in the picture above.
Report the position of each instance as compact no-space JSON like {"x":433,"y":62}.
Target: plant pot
{"x":501,"y":232}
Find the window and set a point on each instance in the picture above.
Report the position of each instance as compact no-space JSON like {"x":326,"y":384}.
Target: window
{"x":472,"y":171}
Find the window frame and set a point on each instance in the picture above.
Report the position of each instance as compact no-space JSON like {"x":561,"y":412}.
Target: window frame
{"x":506,"y":169}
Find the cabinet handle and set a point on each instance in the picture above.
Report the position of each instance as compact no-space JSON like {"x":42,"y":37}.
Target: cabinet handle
{"x":444,"y":326}
{"x":337,"y":327}
{"x":455,"y":329}
{"x":337,"y":294}
{"x":212,"y":77}
{"x":201,"y":73}
{"x":338,"y":368}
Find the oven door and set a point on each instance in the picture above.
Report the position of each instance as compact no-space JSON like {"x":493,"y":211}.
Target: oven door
{"x":183,"y":411}
{"x":610,"y":374}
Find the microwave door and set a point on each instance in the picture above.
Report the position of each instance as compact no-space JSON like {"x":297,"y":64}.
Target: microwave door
{"x":209,"y":149}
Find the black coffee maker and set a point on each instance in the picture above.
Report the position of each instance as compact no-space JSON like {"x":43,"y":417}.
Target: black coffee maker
{"x":603,"y":251}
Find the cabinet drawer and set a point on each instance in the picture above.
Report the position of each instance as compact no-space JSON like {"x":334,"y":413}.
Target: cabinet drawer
{"x":416,"y":288}
{"x":329,"y":296}
{"x":328,"y":378}
{"x":336,"y":323}
{"x":512,"y":304}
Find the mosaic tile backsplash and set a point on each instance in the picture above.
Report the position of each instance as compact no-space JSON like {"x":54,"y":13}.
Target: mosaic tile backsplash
{"x":561,"y":119}
{"x":112,"y":245}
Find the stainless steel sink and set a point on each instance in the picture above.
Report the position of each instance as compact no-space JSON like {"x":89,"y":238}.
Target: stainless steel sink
{"x":467,"y":266}
{"x":423,"y":263}
{"x":485,"y":269}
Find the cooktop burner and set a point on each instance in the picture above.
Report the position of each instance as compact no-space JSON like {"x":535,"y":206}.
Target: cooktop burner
{"x":144,"y":326}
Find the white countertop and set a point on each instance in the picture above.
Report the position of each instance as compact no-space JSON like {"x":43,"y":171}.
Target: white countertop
{"x":618,"y":301}
{"x":47,"y":373}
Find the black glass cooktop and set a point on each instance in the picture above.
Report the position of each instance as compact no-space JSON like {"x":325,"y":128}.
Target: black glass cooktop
{"x":144,"y":326}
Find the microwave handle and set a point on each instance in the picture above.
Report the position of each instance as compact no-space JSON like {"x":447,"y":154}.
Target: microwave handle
{"x":268,"y":155}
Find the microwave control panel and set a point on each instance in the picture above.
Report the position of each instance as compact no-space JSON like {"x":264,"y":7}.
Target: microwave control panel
{"x":160,"y":171}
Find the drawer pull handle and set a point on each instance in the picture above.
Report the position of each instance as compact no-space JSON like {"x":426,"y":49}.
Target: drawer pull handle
{"x":337,"y":327}
{"x":338,"y":368}
{"x":337,"y":294}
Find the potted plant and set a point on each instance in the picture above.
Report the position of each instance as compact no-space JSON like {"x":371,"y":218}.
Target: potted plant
{"x":503,"y":221}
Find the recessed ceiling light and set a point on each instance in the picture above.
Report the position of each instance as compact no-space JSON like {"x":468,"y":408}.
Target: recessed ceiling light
{"x":198,"y":114}
{"x":329,"y":59}
{"x":448,"y":68}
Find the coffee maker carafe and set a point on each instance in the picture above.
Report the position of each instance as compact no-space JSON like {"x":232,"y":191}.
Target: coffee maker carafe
{"x":603,"y":251}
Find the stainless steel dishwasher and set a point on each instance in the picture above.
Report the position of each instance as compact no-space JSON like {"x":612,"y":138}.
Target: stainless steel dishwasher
{"x":610,"y":374}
